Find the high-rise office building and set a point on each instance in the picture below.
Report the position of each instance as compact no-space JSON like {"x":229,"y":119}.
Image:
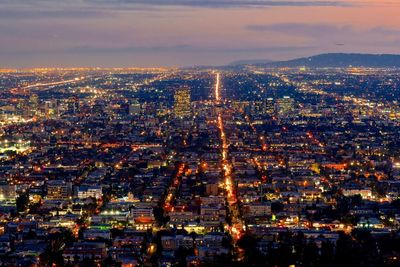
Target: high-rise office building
{"x":51,"y":108}
{"x":33,"y":104}
{"x":285,"y":105}
{"x":256,"y":107}
{"x":73,"y":104}
{"x":269,"y":106}
{"x":134,"y":108}
{"x":182,"y":102}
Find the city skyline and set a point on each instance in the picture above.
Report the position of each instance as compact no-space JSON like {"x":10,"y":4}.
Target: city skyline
{"x":246,"y":166}
{"x":186,"y":33}
{"x":199,"y":133}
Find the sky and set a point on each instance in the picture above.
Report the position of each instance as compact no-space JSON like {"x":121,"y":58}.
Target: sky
{"x":149,"y":33}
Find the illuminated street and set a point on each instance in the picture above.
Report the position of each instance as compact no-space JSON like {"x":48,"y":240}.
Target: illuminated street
{"x":237,"y":227}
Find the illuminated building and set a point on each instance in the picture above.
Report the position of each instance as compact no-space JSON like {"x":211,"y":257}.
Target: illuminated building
{"x":212,"y":189}
{"x":396,"y":170}
{"x":142,"y":211}
{"x":182,"y":102}
{"x":257,"y":107}
{"x":94,"y":191}
{"x":8,"y":192}
{"x":269,"y":106}
{"x":33,"y":104}
{"x":73,"y":105}
{"x":19,"y":146}
{"x":134,"y":108}
{"x":51,"y":108}
{"x":285,"y":105}
{"x":58,"y":189}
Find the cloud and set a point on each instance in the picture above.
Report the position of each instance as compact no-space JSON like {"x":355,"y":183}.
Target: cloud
{"x":184,"y":48}
{"x":76,"y":9}
{"x":179,"y":48}
{"x":327,"y":31}
{"x":224,"y":3}
{"x":13,"y":13}
{"x":385,"y":31}
{"x":311,"y":30}
{"x":127,"y":49}
{"x":182,"y":3}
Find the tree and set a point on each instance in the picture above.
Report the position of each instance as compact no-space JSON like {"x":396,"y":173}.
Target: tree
{"x":57,"y":242}
{"x":276,"y":207}
{"x":88,"y":262}
{"x":344,"y":248}
{"x":22,"y":202}
{"x":311,"y":254}
{"x":252,"y":256}
{"x":327,"y":254}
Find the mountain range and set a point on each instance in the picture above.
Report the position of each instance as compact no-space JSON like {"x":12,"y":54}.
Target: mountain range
{"x":331,"y":60}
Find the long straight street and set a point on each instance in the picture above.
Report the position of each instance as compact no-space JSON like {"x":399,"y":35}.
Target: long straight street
{"x":237,"y":226}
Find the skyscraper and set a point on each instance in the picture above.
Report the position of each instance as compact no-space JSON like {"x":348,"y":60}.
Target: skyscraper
{"x":73,"y":104}
{"x":33,"y":104}
{"x":182,"y":102}
{"x":285,"y":105}
{"x":134,"y":107}
{"x":269,"y":106}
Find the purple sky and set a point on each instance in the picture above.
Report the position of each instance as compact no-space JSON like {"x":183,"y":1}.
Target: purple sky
{"x":190,"y":32}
